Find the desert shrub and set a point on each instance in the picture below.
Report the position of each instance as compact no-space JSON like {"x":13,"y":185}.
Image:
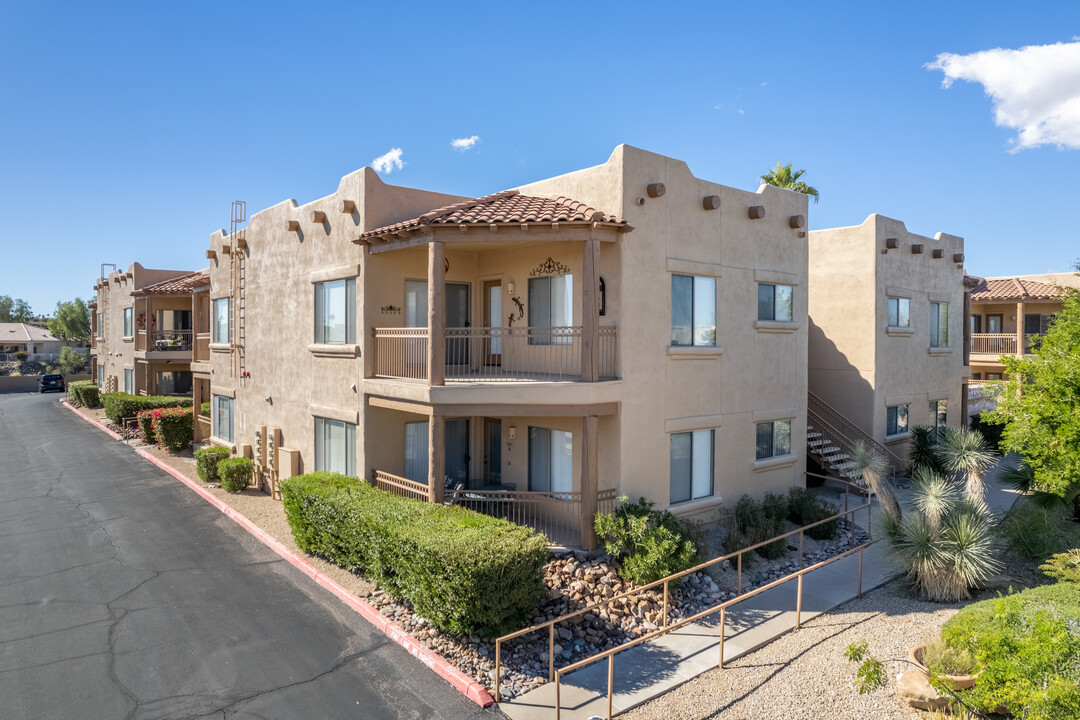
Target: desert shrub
{"x":146,"y":427}
{"x":1063,"y":567}
{"x":462,"y":571}
{"x":174,"y":427}
{"x":945,"y":660}
{"x":1039,"y":532}
{"x":206,"y":460}
{"x":85,"y":393}
{"x":804,"y":508}
{"x":990,"y":432}
{"x":651,"y":544}
{"x":21,"y":356}
{"x":122,"y":405}
{"x":235,"y":473}
{"x":751,"y":523}
{"x":1028,"y":648}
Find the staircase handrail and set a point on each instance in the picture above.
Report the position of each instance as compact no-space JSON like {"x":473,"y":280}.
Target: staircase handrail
{"x":846,"y":432}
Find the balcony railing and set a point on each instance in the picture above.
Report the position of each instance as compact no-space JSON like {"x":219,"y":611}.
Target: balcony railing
{"x":400,"y":486}
{"x":494,"y":353}
{"x":169,"y":340}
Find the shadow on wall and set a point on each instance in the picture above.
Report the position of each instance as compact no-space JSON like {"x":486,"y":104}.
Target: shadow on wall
{"x":839,"y":383}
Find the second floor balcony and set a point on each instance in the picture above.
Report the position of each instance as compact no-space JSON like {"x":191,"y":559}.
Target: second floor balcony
{"x":164,"y":344}
{"x":499,"y":354}
{"x":995,"y":345}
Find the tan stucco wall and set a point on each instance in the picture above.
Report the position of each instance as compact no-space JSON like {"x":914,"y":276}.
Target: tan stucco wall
{"x":857,"y":364}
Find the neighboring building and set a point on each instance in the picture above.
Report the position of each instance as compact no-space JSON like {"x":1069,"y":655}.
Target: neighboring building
{"x":623,"y":329}
{"x":886,"y":329}
{"x":141,"y":331}
{"x":36,"y":342}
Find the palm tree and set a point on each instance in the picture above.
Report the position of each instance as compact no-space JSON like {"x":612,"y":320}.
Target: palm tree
{"x":966,"y":453}
{"x":784,"y":177}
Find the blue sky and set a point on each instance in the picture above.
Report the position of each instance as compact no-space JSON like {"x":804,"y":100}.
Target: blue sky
{"x":127,"y":128}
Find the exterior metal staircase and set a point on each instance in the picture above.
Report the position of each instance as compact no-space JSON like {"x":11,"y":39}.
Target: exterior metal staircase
{"x":831,"y":439}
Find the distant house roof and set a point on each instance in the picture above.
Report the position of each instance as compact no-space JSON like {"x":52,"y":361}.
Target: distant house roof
{"x":1014,"y":289}
{"x":176,"y":285}
{"x":21,"y":332}
{"x":509,"y":207}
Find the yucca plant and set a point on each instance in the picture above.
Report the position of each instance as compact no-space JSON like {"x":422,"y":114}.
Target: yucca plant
{"x":923,"y":451}
{"x":967,"y":455}
{"x":871,"y":468}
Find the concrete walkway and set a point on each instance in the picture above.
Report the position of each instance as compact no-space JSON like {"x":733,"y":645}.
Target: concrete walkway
{"x":655,"y":667}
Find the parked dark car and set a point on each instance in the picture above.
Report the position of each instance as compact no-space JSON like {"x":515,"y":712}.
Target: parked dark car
{"x":51,"y":382}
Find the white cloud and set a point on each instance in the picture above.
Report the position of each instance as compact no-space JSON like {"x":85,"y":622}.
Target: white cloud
{"x":389,"y":162}
{"x":1035,"y":90}
{"x":464,"y":143}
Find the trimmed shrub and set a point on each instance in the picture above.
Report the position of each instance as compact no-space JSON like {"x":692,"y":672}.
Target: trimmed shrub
{"x":1028,"y":648}
{"x":235,"y":473}
{"x":206,"y":460}
{"x":1063,"y":567}
{"x":85,"y":392}
{"x":462,"y":571}
{"x":174,"y":427}
{"x":122,"y":405}
{"x":650,"y":544}
{"x":146,"y":427}
{"x":804,"y":508}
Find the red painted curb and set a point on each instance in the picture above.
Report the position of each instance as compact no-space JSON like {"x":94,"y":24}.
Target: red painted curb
{"x":461,"y":682}
{"x":92,"y":421}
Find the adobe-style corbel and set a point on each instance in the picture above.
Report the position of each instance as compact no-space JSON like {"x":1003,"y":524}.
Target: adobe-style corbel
{"x":916,"y":249}
{"x":797,"y":222}
{"x":292,"y":225}
{"x":711,"y":202}
{"x":756,"y":212}
{"x":892,"y":243}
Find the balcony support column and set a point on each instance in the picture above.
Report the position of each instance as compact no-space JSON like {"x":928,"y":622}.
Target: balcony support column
{"x":590,"y":311}
{"x":967,"y":328}
{"x":590,"y":478}
{"x":436,"y":458}
{"x":1020,"y":349}
{"x":436,"y":288}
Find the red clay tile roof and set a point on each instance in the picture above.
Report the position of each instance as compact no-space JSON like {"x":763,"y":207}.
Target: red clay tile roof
{"x":172,"y":286}
{"x":1014,"y":289}
{"x":507,"y":207}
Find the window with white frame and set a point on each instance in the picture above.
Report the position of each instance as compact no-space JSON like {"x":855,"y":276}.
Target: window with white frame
{"x":938,"y":413}
{"x":129,"y":382}
{"x":101,"y":377}
{"x":335,"y":446}
{"x":551,"y":305}
{"x":223,"y":418}
{"x":899,"y":312}
{"x":221,"y":321}
{"x":939,"y":325}
{"x":416,"y":452}
{"x":335,"y":303}
{"x":551,"y":460}
{"x":129,"y":325}
{"x":775,"y":302}
{"x":773,"y":439}
{"x":693,"y":310}
{"x":99,"y":323}
{"x":896,"y":420}
{"x":691,"y":465}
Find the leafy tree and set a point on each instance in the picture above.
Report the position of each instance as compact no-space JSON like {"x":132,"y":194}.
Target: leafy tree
{"x":72,"y":361}
{"x":788,"y":179}
{"x":71,"y":321}
{"x":1040,"y":406}
{"x":15,"y":310}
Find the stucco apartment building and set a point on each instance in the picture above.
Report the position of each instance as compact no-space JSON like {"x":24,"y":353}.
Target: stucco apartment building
{"x":626,"y":329}
{"x":143,"y":325}
{"x":887,"y":315}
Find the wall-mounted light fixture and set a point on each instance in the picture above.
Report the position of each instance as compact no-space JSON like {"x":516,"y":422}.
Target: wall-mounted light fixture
{"x":511,"y":432}
{"x":510,"y":288}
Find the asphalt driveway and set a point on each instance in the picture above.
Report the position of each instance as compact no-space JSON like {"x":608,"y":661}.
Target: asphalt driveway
{"x":123,"y":594}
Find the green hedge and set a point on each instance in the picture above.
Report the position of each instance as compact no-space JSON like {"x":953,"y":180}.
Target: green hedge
{"x":85,"y":393}
{"x":121,"y":405}
{"x":204,"y":409}
{"x":235,"y":473}
{"x":462,"y":571}
{"x":174,"y":427}
{"x":206,"y":460}
{"x":146,"y":427}
{"x":1028,"y":648}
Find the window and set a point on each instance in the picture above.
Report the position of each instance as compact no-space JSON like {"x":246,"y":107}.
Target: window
{"x":774,"y":302}
{"x":221,"y":332}
{"x":773,"y":439}
{"x":976,"y":324}
{"x":416,"y":451}
{"x":899,"y":312}
{"x":416,"y":303}
{"x":551,"y":304}
{"x":129,"y":326}
{"x":99,"y":323}
{"x":896,"y":420}
{"x":129,"y":382}
{"x":691,"y":465}
{"x":174,"y":382}
{"x":335,"y":310}
{"x":101,"y":377}
{"x":993,"y":323}
{"x":939,"y":325}
{"x":993,"y":376}
{"x":335,"y":446}
{"x":223,"y":418}
{"x":551,"y":460}
{"x":939,"y":415}
{"x":693,"y":310}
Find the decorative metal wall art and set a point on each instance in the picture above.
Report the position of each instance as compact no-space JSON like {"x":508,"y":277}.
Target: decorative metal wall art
{"x":390,"y":309}
{"x":549,"y":267}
